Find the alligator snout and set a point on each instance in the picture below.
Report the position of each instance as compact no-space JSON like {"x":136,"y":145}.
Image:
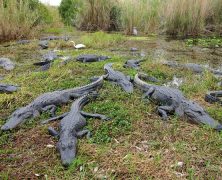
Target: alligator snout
{"x":218,"y":128}
{"x":5,"y":128}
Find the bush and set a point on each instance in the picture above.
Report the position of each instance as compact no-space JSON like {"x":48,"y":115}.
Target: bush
{"x":21,"y":18}
{"x":68,"y":10}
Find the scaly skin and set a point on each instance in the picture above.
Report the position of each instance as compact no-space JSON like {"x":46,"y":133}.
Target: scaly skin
{"x":49,"y":101}
{"x":172,"y":101}
{"x":71,"y":128}
{"x":118,"y":78}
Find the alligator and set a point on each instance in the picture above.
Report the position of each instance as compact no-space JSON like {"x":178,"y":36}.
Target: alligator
{"x":43,"y":44}
{"x":91,"y":58}
{"x":135,"y":64}
{"x":48,"y":102}
{"x":47,"y":59}
{"x":6,"y":88}
{"x":7,"y":64}
{"x":23,"y":41}
{"x":118,"y":78}
{"x":196,"y":68}
{"x":50,"y":38}
{"x":213,"y":97}
{"x":71,"y":128}
{"x":171,"y":100}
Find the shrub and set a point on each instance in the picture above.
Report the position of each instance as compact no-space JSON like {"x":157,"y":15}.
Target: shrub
{"x":68,"y":10}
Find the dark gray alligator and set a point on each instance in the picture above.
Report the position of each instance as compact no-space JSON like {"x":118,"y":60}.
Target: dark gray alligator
{"x":118,"y":78}
{"x":43,"y":44}
{"x":172,"y":101}
{"x":46,"y":61}
{"x":23,"y":41}
{"x":7,"y":64}
{"x":91,"y":58}
{"x":71,"y":128}
{"x":135,"y":64}
{"x":196,"y":68}
{"x":6,"y":88}
{"x":51,"y":38}
{"x":48,"y":102}
{"x":213,"y":97}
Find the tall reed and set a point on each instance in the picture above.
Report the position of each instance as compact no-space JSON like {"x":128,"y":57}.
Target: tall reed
{"x":17,"y":19}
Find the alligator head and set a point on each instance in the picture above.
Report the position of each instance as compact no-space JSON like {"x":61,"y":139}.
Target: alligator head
{"x":67,"y":149}
{"x":17,"y":118}
{"x":197,"y":114}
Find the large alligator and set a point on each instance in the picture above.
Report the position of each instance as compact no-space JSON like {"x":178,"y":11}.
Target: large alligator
{"x":6,"y":88}
{"x":171,"y":100}
{"x":196,"y":68}
{"x":213,"y":97}
{"x":85,"y":58}
{"x":71,"y":128}
{"x":48,"y":102}
{"x":118,"y":78}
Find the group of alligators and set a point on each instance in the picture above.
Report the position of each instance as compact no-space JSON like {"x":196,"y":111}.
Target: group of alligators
{"x":169,"y":101}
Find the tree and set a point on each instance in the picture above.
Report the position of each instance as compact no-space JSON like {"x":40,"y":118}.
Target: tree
{"x":68,"y":10}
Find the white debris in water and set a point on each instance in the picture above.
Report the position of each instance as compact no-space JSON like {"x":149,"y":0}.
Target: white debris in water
{"x":176,"y":82}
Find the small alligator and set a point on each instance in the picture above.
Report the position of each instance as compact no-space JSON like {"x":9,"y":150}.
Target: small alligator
{"x":71,"y":128}
{"x":172,"y":101}
{"x":118,"y":78}
{"x":91,"y":58}
{"x":6,"y":88}
{"x":7,"y":64}
{"x":196,"y":68}
{"x":50,"y":38}
{"x":213,"y":97}
{"x":135,"y":64}
{"x":48,"y":102}
{"x":23,"y":41}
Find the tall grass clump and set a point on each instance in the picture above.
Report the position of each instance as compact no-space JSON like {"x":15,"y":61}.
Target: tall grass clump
{"x":186,"y":17}
{"x":141,"y":14}
{"x":96,"y":15}
{"x":217,"y":15}
{"x":20,"y":18}
{"x":102,"y":40}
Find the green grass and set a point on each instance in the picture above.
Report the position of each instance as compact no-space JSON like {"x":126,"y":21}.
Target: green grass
{"x":134,"y":144}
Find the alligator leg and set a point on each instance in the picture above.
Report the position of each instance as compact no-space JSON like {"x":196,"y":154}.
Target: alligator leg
{"x":84,"y":132}
{"x":53,"y":132}
{"x":149,"y":93}
{"x":99,"y":116}
{"x":51,"y":109}
{"x":162,"y":110}
{"x":55,"y":118}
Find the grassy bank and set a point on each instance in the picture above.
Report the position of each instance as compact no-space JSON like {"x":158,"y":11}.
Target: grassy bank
{"x":135,"y":144}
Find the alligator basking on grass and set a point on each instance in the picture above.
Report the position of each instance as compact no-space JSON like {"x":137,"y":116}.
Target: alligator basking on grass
{"x":6,"y":88}
{"x":71,"y":128}
{"x":118,"y":78}
{"x":135,"y":64}
{"x":51,"y":38}
{"x":48,"y":102}
{"x":213,"y":97}
{"x":87,"y":58}
{"x":196,"y":68}
{"x":172,"y":101}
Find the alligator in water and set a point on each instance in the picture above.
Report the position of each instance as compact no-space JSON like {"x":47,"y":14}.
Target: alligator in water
{"x":213,"y":97}
{"x":196,"y":68}
{"x":6,"y":88}
{"x":71,"y":128}
{"x":91,"y":58}
{"x":7,"y":64}
{"x":172,"y":101}
{"x":135,"y":64}
{"x":118,"y":78}
{"x":48,"y":102}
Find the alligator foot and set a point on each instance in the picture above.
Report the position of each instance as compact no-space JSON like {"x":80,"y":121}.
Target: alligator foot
{"x":84,"y":132}
{"x":53,"y":132}
{"x":55,"y":118}
{"x":149,"y":93}
{"x":163,"y":110}
{"x":51,"y":109}
{"x":99,"y":116}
